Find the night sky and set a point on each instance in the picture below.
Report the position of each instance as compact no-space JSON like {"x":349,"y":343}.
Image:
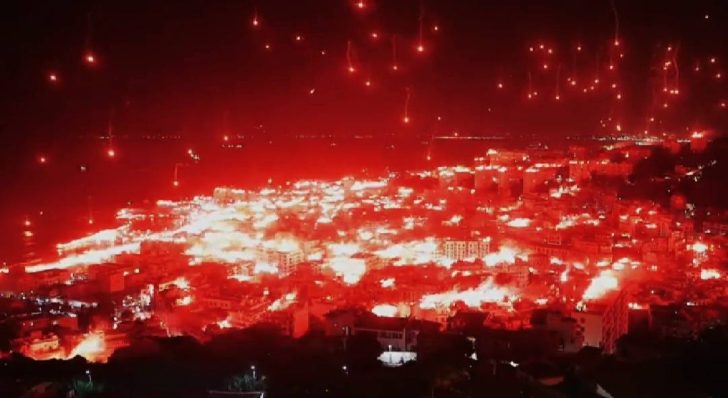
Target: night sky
{"x":196,"y":68}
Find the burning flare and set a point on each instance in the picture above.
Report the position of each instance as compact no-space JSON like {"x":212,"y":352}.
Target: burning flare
{"x":601,"y":285}
{"x":706,"y":274}
{"x":92,"y":347}
{"x":385,"y":310}
{"x":486,"y":292}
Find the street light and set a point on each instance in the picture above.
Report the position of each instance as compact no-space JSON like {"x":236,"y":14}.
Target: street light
{"x":252,"y":368}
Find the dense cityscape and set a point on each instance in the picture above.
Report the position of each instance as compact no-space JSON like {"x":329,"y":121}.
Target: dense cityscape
{"x":410,"y":250}
{"x":522,"y":241}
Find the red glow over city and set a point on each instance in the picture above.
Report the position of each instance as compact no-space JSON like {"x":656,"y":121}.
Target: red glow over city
{"x":504,"y":266}
{"x":293,"y":198}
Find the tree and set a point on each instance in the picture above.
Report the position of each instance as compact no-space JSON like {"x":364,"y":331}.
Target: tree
{"x":8,"y":331}
{"x":363,"y":351}
{"x":84,"y":387}
{"x":244,"y":382}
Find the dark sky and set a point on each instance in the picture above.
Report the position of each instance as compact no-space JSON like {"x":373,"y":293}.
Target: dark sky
{"x":197,"y":68}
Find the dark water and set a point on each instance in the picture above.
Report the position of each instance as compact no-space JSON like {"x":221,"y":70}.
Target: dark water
{"x":60,"y":197}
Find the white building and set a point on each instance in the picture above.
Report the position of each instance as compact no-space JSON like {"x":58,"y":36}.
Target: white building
{"x":603,"y":326}
{"x":285,"y":260}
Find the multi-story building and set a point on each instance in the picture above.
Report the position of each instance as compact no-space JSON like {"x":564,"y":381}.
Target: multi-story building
{"x":579,"y":170}
{"x":292,"y":322}
{"x":506,"y":158}
{"x":39,"y":345}
{"x":285,"y":260}
{"x":535,"y":177}
{"x":394,"y":334}
{"x":465,"y":249}
{"x":715,"y":227}
{"x":211,"y":301}
{"x":519,"y":273}
{"x":603,"y":324}
{"x":455,"y":177}
{"x":570,"y":340}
